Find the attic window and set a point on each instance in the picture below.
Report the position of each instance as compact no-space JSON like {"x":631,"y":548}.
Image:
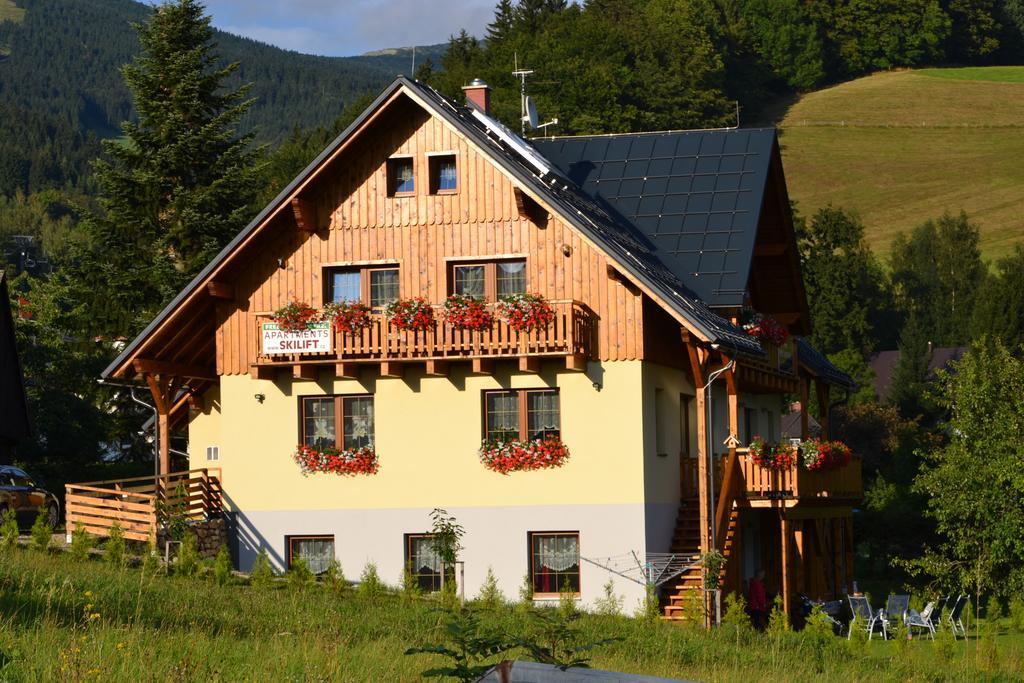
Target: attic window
{"x":401,"y":179}
{"x":443,"y":175}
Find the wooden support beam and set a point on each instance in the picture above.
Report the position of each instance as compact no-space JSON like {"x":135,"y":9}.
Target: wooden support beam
{"x":437,"y":368}
{"x":784,"y":532}
{"x":304,"y":371}
{"x":799,"y":557}
{"x":483,"y":366}
{"x":221,"y":290}
{"x":698,"y":365}
{"x":777,"y":249}
{"x":262,"y":372}
{"x":392,"y":369}
{"x":158,"y":367}
{"x":529,"y":364}
{"x":530,"y":209}
{"x":305,"y":214}
{"x":346,"y":370}
{"x":576,"y":362}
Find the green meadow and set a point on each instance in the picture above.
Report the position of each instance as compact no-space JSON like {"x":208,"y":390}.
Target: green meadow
{"x":79,"y":620}
{"x":901,"y":147}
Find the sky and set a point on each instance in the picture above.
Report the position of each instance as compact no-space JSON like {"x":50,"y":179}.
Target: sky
{"x":350,"y":27}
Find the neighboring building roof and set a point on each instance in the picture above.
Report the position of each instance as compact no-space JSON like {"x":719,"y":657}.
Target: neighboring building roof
{"x":791,"y":427}
{"x":820,"y":366}
{"x":14,"y":422}
{"x":884,"y":363}
{"x":696,"y":197}
{"x":535,"y":672}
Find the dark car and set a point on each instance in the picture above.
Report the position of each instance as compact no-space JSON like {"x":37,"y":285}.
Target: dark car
{"x":20,"y":492}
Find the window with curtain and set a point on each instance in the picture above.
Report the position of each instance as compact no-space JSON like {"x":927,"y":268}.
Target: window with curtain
{"x":422,"y":561}
{"x":337,"y":421}
{"x":554,"y":562}
{"x":374,"y":286}
{"x":524,"y":414}
{"x":443,"y":176}
{"x":489,"y":280}
{"x":401,"y":178}
{"x":316,"y":551}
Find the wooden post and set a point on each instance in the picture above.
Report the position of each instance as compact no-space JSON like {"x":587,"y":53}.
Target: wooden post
{"x":799,"y":557}
{"x":784,"y":533}
{"x":804,"y":408}
{"x":697,"y":365}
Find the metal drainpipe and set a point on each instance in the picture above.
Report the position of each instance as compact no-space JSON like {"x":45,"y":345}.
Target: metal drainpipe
{"x":710,"y":446}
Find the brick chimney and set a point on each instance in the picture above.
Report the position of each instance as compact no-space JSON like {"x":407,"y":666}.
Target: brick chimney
{"x":478,"y":95}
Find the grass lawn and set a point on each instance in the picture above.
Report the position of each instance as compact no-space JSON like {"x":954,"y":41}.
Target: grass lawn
{"x":82,"y":620}
{"x":11,"y":12}
{"x":904,"y":146}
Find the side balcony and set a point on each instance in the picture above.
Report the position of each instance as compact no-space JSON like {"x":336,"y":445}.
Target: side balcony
{"x":570,"y":337}
{"x":756,"y":486}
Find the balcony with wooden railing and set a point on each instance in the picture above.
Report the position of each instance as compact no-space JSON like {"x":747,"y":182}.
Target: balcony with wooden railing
{"x":137,"y":504}
{"x":570,"y":336}
{"x":756,"y":486}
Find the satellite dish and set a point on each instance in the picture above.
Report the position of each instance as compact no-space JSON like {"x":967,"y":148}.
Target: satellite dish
{"x":531,"y":112}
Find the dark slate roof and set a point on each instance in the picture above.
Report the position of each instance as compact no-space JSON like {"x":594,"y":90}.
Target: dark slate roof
{"x":694,"y":196}
{"x":14,"y":422}
{"x":821,"y":366}
{"x":596,"y":219}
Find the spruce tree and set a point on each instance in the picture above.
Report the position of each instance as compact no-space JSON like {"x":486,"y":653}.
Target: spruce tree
{"x":181,"y":181}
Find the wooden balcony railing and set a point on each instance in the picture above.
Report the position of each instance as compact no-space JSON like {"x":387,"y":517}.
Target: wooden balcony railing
{"x":136,"y":503}
{"x":795,"y":483}
{"x":571,"y":333}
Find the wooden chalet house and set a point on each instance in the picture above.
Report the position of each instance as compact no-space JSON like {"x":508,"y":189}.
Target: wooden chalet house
{"x":649,"y":251}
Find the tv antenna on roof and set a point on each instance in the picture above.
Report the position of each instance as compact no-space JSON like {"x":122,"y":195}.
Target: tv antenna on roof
{"x":527,"y":109}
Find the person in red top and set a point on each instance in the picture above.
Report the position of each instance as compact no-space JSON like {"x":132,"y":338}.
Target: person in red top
{"x":757,"y":600}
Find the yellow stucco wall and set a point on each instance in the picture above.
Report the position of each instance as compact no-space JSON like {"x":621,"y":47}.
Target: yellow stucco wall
{"x":427,"y":433}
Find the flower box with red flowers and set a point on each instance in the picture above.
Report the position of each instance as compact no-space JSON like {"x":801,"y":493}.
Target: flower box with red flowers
{"x":348,"y":316}
{"x":344,"y":462}
{"x":526,"y":312}
{"x":410,"y":314}
{"x":768,"y":329}
{"x":517,"y":456}
{"x":295,"y":317}
{"x":818,"y":455}
{"x":772,"y":456}
{"x":467,"y":313}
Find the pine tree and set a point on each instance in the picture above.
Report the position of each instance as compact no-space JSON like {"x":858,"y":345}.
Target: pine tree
{"x":181,"y":182}
{"x":500,"y":29}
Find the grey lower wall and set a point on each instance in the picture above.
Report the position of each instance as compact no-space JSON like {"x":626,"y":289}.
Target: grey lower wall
{"x":496,"y":538}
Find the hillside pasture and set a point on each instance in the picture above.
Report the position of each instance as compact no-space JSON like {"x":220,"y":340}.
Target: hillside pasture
{"x":64,"y":619}
{"x":11,"y":12}
{"x":901,"y":147}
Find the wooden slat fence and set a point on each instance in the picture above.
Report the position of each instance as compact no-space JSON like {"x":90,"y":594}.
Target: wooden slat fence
{"x":140,"y":504}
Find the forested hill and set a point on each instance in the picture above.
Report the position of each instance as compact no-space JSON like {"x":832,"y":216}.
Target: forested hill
{"x":61,"y":89}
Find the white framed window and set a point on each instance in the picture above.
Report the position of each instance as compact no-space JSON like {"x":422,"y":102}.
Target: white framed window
{"x":213,"y":452}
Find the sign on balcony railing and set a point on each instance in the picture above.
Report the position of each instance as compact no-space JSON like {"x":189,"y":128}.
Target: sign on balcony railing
{"x":316,"y":338}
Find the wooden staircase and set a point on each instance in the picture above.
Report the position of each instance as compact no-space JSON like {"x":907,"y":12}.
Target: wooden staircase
{"x":682,"y":601}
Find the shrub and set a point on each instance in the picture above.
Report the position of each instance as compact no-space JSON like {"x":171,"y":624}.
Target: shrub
{"x":410,"y":585}
{"x":370,"y":585}
{"x":609,"y":603}
{"x":333,"y":577}
{"x":42,"y":531}
{"x":945,"y":644}
{"x":778,"y":620}
{"x":9,"y":530}
{"x":1017,"y":614}
{"x":490,"y":595}
{"x":115,"y":550}
{"x":262,"y":574}
{"x":735,"y":618}
{"x":649,"y":609}
{"x":993,"y":616}
{"x":567,"y":600}
{"x":150,"y":560}
{"x":222,"y":566}
{"x":81,"y":543}
{"x":525,"y":603}
{"x":188,"y":557}
{"x":299,"y":577}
